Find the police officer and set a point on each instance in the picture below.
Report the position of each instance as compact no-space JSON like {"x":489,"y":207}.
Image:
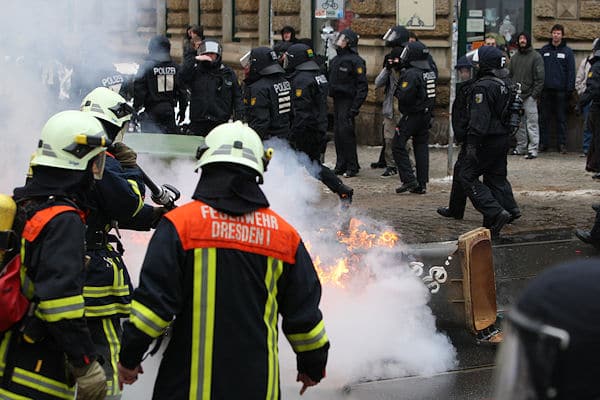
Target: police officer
{"x":488,"y":139}
{"x":215,"y":93}
{"x":348,"y":86}
{"x":118,"y":202}
{"x":416,"y":95}
{"x":158,"y":89}
{"x":225,"y":266}
{"x":309,"y":113}
{"x":52,"y":344}
{"x":266,"y":94}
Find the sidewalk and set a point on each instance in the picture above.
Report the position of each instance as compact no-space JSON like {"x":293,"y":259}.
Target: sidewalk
{"x":553,"y":191}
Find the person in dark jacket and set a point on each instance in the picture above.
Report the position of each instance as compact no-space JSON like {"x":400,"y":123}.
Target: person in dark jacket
{"x":488,"y":139}
{"x":194,"y":35}
{"x":309,"y":114}
{"x":288,"y":34}
{"x":51,"y":348}
{"x":224,"y":264}
{"x":348,"y":86}
{"x":591,"y":98}
{"x":267,"y":94}
{"x":559,"y":84}
{"x":157,"y":87}
{"x":215,"y":92}
{"x":416,"y":95}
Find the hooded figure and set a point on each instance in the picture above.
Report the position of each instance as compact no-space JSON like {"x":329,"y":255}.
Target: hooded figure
{"x":288,"y":34}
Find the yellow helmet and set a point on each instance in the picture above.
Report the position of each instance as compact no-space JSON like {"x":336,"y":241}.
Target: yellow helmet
{"x":111,"y":107}
{"x":234,"y":142}
{"x":69,"y":140}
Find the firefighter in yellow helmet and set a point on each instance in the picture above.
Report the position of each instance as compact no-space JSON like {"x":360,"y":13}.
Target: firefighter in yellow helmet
{"x":222,"y":269}
{"x":50,"y":350}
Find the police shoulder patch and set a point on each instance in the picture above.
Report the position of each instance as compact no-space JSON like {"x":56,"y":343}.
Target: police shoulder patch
{"x":404,"y":85}
{"x":253,"y":101}
{"x":298,"y":92}
{"x":359,"y":70}
{"x":590,"y":74}
{"x":478,"y":98}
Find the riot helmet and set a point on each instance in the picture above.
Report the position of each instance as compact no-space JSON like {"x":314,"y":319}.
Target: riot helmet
{"x":159,"y":48}
{"x":237,"y":143}
{"x":262,"y":61}
{"x":111,"y":109}
{"x":463,"y":69}
{"x":396,"y":36}
{"x":300,"y":57}
{"x":487,"y":59}
{"x":72,"y":140}
{"x":211,"y":46}
{"x":415,"y":54}
{"x":347,"y":38}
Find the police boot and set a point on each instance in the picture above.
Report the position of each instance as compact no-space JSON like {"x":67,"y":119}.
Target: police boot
{"x":420,"y":189}
{"x":499,"y":222}
{"x":445,"y":212}
{"x":515,"y":214}
{"x":407,"y":186}
{"x":586,"y":237}
{"x":345,"y":192}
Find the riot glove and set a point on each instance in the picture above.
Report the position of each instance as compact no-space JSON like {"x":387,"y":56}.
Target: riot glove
{"x":91,"y":381}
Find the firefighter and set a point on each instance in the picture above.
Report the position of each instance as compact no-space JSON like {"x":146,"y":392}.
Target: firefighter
{"x":221,"y":269}
{"x":118,"y":202}
{"x":416,"y":95}
{"x":157,"y":88}
{"x":266,"y":94}
{"x":349,"y":88}
{"x":309,"y":114}
{"x":51,"y":348}
{"x":215,"y":93}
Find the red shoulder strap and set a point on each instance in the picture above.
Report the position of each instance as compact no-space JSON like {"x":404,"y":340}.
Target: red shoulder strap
{"x":35,"y":224}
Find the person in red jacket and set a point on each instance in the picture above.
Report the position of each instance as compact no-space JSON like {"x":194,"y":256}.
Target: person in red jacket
{"x":222,"y":269}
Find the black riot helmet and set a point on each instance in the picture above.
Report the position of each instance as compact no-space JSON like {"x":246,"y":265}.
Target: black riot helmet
{"x":348,"y":36}
{"x":487,"y":59}
{"x":300,"y":57}
{"x":415,"y":54}
{"x":261,"y":61}
{"x":211,"y":46}
{"x":396,"y":36}
{"x":595,"y":51}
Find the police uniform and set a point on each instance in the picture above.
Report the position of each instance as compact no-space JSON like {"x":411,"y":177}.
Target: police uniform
{"x":416,"y":95}
{"x":592,"y":95}
{"x":158,"y":89}
{"x":268,"y":104}
{"x":215,"y":94}
{"x":349,"y":88}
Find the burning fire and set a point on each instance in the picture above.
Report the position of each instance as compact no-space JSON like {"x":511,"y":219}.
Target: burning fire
{"x":356,"y":239}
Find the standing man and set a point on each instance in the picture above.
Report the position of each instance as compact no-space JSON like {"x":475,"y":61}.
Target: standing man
{"x":215,"y":93}
{"x":559,"y":83}
{"x":267,"y":94}
{"x":416,"y":95}
{"x":309,"y":114}
{"x":349,"y":89}
{"x":527,"y":68}
{"x":488,"y":138}
{"x":157,"y":88}
{"x":221,"y":269}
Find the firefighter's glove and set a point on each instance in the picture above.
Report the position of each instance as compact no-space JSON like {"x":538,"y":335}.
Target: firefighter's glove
{"x":312,"y":363}
{"x":157,"y":214}
{"x":124,"y":154}
{"x":471,"y":153}
{"x":91,"y":381}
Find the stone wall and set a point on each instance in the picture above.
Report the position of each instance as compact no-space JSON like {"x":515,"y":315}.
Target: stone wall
{"x":286,"y":13}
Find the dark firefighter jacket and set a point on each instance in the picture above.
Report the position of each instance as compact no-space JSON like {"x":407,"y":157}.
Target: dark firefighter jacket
{"x":52,"y":276}
{"x":348,"y":79}
{"x":309,"y":102}
{"x":267,"y":103}
{"x":226,"y":279}
{"x":118,"y":197}
{"x":216,"y":94}
{"x":416,"y":90}
{"x":158,"y":82}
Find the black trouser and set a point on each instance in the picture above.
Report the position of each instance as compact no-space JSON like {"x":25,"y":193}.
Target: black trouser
{"x":344,"y":136}
{"x":554,"y":108}
{"x":159,"y":118}
{"x":593,"y":121}
{"x":415,"y":126}
{"x":491,"y":161}
{"x":595,"y":231}
{"x":202,"y":128}
{"x":458,"y":197}
{"x":310,"y":142}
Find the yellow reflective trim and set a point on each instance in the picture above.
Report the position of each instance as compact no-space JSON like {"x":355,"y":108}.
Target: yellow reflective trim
{"x":4,"y":394}
{"x":43,"y":384}
{"x":272,"y":274}
{"x":114,"y":346}
{"x":136,"y":190}
{"x":315,"y":339}
{"x":105,"y":291}
{"x":147,"y":320}
{"x":4,"y":351}
{"x":57,"y":309}
{"x":107,"y":309}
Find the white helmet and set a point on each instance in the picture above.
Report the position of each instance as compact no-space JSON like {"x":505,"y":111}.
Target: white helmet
{"x":69,"y":140}
{"x":234,"y":142}
{"x":111,"y":107}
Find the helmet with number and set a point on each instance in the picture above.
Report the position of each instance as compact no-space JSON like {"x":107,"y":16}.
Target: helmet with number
{"x":349,"y":37}
{"x":111,"y":109}
{"x":261,"y":61}
{"x":396,"y":36}
{"x":300,"y":57}
{"x":237,"y":143}
{"x":70,"y":140}
{"x":415,"y":54}
{"x":487,"y":58}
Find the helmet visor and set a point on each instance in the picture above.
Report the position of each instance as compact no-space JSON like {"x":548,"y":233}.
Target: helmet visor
{"x":124,"y":129}
{"x":527,"y":359}
{"x":245,"y":60}
{"x":390,"y":35}
{"x":463,"y":74}
{"x":404,"y":55}
{"x":208,"y":46}
{"x":341,"y":40}
{"x":98,"y":163}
